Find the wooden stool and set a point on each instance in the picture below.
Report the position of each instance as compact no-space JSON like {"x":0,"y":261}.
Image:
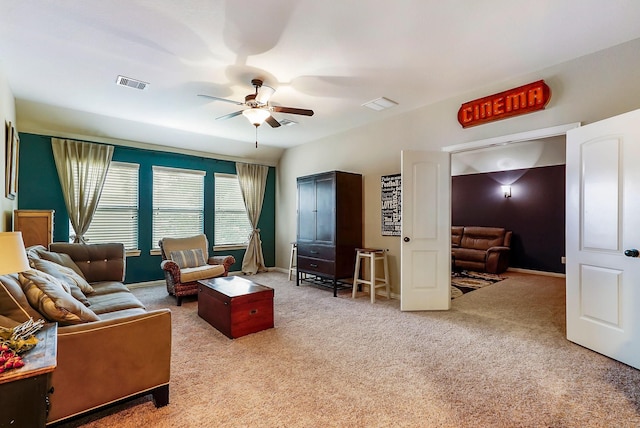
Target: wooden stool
{"x":292,"y":261}
{"x":374,"y":255}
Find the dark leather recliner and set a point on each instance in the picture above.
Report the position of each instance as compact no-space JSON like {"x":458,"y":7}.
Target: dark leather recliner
{"x":482,"y":249}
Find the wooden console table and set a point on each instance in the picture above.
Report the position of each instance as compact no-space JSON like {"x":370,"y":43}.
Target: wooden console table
{"x":24,"y":400}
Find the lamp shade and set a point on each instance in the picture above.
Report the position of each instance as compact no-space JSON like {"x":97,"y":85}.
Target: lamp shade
{"x":256,"y":116}
{"x":13,"y":257}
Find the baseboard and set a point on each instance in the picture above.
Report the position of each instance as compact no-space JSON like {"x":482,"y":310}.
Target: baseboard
{"x":146,"y":284}
{"x":162,"y":281}
{"x":537,"y":272}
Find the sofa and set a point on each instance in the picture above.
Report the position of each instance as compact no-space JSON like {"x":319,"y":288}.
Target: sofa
{"x":481,"y":249}
{"x":109,"y":347}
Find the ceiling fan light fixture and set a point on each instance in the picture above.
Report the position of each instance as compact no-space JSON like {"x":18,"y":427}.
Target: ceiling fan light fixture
{"x":256,"y":116}
{"x":264,"y":93}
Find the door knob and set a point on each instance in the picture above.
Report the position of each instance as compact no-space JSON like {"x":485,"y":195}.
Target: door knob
{"x":407,"y":239}
{"x":632,"y":253}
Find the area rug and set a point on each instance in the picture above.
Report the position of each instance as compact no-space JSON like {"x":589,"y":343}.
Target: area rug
{"x":463,"y":282}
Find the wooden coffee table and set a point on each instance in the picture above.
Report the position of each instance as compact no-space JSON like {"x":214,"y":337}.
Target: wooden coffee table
{"x":235,"y":306}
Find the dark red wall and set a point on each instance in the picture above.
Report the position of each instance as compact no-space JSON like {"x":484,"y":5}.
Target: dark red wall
{"x":535,"y":212}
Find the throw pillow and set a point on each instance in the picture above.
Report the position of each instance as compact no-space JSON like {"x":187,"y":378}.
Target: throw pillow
{"x":47,"y":294}
{"x":61,"y":259}
{"x":77,"y":284}
{"x":13,"y":302}
{"x":188,"y":258}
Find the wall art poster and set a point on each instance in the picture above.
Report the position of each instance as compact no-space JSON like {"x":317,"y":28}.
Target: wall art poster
{"x":391,"y":204}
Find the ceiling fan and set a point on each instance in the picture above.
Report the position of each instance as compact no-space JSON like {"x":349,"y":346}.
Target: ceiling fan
{"x":259,"y":110}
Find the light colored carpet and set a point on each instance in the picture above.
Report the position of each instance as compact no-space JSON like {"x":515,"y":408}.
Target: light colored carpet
{"x":498,"y":358}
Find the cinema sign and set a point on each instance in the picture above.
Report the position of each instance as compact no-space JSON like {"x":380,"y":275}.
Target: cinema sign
{"x":517,"y":101}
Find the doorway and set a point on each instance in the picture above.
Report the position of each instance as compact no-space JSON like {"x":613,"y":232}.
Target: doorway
{"x":541,"y":147}
{"x":534,"y":209}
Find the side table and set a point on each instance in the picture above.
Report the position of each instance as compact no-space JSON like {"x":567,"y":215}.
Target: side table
{"x":24,"y":400}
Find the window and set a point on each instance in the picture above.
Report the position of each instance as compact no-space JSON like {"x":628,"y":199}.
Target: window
{"x":178,"y":203}
{"x":232,"y":226}
{"x":116,"y":217}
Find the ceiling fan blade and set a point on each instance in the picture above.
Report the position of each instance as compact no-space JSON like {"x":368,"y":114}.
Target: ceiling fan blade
{"x":221,"y":99}
{"x":230,"y":115}
{"x":264,"y":93}
{"x":272,"y":121}
{"x":292,"y":110}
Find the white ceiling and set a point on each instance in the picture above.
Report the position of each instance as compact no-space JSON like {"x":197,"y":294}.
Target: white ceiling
{"x":61,"y":60}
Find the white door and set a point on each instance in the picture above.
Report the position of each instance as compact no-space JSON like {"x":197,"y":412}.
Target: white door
{"x":603,"y":222}
{"x":425,"y":252}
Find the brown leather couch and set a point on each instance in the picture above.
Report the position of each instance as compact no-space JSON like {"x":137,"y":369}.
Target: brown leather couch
{"x":481,"y":249}
{"x":125,"y":353}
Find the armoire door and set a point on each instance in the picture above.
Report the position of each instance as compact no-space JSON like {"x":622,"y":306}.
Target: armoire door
{"x":306,"y":210}
{"x":325,"y":210}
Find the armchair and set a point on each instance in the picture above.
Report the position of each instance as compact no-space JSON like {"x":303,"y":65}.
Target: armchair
{"x":186,"y":260}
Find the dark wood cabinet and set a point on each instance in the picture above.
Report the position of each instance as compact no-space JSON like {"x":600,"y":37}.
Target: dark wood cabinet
{"x":329,"y":225}
{"x":24,"y":392}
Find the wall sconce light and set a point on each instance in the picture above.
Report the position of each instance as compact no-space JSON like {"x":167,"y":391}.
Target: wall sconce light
{"x":506,"y":190}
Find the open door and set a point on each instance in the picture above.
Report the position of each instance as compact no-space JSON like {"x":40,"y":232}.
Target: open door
{"x":603,"y":233}
{"x":425,"y":252}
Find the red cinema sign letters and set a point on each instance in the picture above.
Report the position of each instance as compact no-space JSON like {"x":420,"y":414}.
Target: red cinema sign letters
{"x":517,"y":101}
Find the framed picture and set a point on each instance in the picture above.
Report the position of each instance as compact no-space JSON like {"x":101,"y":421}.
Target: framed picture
{"x":391,"y":204}
{"x":11,"y":161}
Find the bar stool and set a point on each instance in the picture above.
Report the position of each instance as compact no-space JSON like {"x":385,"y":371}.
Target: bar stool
{"x":292,"y":261}
{"x":374,"y":255}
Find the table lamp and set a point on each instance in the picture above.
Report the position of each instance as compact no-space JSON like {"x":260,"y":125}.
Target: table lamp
{"x":13,"y":257}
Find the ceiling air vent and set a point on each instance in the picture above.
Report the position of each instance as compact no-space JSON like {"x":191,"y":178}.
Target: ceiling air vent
{"x":381,"y":103}
{"x":288,"y":122}
{"x":131,"y":83}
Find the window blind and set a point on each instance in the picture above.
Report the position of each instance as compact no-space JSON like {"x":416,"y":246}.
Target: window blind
{"x":178,"y":203}
{"x":116,"y":217}
{"x":232,"y":226}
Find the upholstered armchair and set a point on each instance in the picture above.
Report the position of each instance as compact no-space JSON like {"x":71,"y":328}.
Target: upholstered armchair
{"x":186,"y":260}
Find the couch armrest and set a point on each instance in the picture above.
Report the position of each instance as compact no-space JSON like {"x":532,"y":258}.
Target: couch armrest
{"x":497,"y":260}
{"x":104,"y":361}
{"x":498,"y":249}
{"x":172,"y":268}
{"x":226,"y":261}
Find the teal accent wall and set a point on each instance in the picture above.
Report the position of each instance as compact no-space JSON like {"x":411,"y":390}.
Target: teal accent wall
{"x":39,"y":188}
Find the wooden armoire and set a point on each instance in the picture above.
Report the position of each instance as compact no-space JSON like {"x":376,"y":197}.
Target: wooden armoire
{"x":329,"y":225}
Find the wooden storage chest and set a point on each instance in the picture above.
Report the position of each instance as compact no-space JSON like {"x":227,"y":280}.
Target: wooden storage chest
{"x":235,"y":306}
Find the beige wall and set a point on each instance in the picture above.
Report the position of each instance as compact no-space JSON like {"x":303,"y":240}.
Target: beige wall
{"x":584,"y":90}
{"x":8,"y":113}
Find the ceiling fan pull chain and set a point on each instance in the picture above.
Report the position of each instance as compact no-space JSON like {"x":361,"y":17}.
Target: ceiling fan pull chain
{"x":256,"y":137}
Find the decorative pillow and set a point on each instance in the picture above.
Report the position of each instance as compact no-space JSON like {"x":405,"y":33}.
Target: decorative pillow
{"x":47,"y":294}
{"x":61,"y":259}
{"x":76,"y":284}
{"x":188,"y":258}
{"x":13,"y":302}
{"x":70,"y":276}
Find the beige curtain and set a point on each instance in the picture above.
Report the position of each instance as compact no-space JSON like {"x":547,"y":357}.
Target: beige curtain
{"x":82,"y":168}
{"x":253,"y":179}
